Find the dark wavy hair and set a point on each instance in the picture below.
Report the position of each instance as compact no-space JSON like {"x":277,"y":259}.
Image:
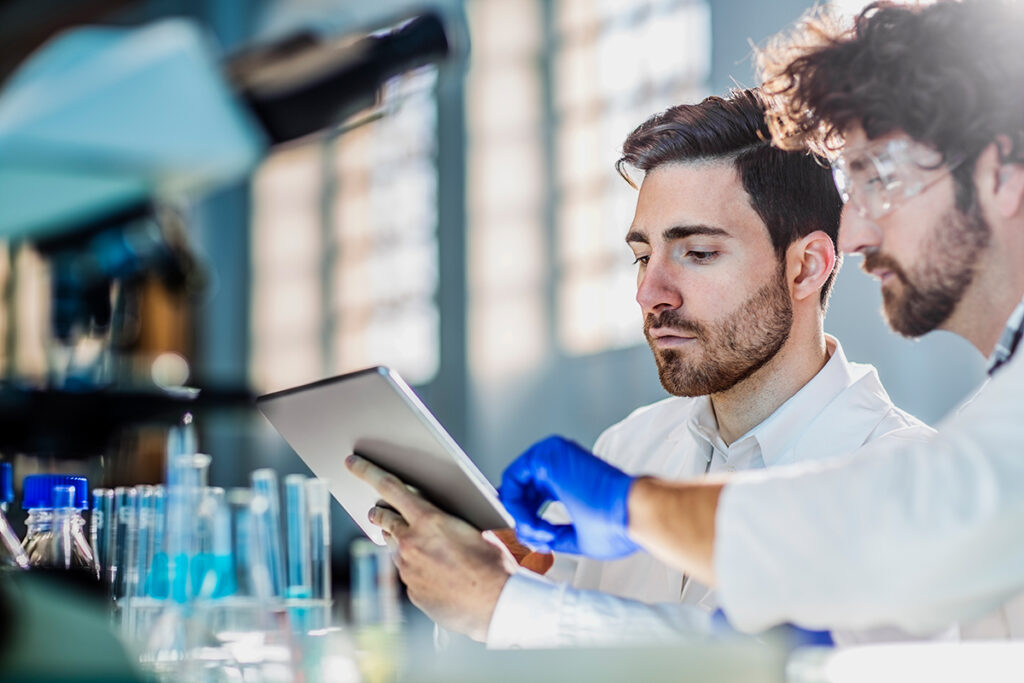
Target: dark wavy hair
{"x":949,"y":75}
{"x":791,"y":191}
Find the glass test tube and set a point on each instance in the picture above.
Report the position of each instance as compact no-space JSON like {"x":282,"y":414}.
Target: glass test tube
{"x":125,"y":539}
{"x":220,"y":546}
{"x":100,"y":521}
{"x":143,"y":557}
{"x":155,"y":585}
{"x":266,"y":520}
{"x":297,"y":526}
{"x":375,"y":599}
{"x":243,"y":550}
{"x":318,"y":501}
{"x":186,"y":481}
{"x":206,"y":573}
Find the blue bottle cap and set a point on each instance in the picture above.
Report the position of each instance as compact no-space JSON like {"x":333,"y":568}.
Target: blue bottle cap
{"x":6,"y":482}
{"x":38,"y":490}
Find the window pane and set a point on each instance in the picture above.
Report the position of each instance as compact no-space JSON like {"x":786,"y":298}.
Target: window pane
{"x":345,"y":249}
{"x":646,"y":56}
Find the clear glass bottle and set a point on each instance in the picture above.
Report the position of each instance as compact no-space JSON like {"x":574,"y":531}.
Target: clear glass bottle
{"x":12,"y":555}
{"x":55,"y":527}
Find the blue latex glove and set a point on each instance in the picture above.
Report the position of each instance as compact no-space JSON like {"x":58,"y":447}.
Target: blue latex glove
{"x":593,"y":492}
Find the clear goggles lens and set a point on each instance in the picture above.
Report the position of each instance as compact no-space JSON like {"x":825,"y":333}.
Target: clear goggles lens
{"x":878,"y":178}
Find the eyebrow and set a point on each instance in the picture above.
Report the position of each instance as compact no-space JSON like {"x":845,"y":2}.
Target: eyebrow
{"x":678,"y":232}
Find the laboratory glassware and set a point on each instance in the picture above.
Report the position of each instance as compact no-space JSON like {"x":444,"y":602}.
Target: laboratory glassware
{"x":55,"y":527}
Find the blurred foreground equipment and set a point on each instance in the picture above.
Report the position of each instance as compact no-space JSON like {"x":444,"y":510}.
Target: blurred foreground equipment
{"x":104,"y":132}
{"x":107,"y":135}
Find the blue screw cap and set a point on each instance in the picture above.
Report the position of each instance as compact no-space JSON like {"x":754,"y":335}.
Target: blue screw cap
{"x":6,"y":482}
{"x":38,"y":490}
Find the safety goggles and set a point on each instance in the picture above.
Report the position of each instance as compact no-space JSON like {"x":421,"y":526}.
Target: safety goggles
{"x":877,"y":178}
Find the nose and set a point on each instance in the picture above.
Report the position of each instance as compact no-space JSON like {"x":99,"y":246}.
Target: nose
{"x":656,"y":288}
{"x":857,"y":233}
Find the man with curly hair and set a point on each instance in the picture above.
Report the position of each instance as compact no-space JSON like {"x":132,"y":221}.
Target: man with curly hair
{"x":921,"y":108}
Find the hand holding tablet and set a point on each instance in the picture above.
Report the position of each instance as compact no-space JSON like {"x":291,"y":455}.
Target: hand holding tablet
{"x":373,"y":413}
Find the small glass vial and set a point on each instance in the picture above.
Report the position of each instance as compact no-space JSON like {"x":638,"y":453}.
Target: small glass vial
{"x":55,"y":535}
{"x":12,"y":555}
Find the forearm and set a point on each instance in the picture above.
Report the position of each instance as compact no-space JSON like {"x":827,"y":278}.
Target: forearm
{"x":675,"y":522}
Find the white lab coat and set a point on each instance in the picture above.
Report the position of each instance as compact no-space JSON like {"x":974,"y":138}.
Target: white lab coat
{"x":908,"y":533}
{"x":640,"y":599}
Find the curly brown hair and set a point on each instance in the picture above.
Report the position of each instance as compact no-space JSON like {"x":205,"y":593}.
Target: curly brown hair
{"x":949,"y":75}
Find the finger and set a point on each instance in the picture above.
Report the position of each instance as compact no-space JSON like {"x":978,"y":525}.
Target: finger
{"x":392,"y":489}
{"x":520,"y":492}
{"x":525,"y":509}
{"x":392,"y":545}
{"x":388,"y":520}
{"x":539,"y":537}
{"x":566,"y":540}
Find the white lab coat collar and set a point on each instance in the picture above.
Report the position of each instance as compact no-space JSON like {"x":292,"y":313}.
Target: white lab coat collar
{"x":794,"y":417}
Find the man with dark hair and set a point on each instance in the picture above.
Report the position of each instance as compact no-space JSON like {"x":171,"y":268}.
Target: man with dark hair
{"x":922,"y":108}
{"x":734,"y":245}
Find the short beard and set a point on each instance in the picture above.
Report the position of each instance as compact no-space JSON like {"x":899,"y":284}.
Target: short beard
{"x":732,"y":350}
{"x":931,"y":293}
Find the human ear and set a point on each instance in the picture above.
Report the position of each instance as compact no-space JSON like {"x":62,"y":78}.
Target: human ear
{"x":1010,"y":190}
{"x":1004,"y":181}
{"x":810,"y":261}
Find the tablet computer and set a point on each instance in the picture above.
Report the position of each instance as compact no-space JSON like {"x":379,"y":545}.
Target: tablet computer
{"x":375,"y":414}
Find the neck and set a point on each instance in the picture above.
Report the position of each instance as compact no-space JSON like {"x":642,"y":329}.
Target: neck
{"x":981,"y":314}
{"x":747,"y":404}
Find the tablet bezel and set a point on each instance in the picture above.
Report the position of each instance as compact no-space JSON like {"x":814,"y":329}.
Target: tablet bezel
{"x":452,"y":481}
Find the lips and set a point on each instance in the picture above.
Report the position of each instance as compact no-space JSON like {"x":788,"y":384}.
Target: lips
{"x":663,"y":337}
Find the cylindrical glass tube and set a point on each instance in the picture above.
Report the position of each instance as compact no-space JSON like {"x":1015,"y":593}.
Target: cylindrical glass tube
{"x":187,"y":476}
{"x":156,"y":585}
{"x":375,"y":598}
{"x":318,"y":501}
{"x":266,"y":520}
{"x":126,"y":539}
{"x":100,"y":532}
{"x":211,"y":548}
{"x":143,"y":557}
{"x":297,"y":526}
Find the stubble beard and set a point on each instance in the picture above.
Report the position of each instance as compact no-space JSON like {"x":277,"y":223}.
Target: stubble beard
{"x":731,"y":350}
{"x":926,"y":297}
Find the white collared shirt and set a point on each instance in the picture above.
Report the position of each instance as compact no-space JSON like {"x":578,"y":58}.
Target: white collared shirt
{"x":640,"y":599}
{"x":911,"y":534}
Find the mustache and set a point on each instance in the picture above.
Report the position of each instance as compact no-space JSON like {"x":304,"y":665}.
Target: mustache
{"x":674,"y":320}
{"x":876,"y":260}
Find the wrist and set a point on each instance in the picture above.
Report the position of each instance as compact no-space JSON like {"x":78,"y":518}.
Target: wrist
{"x":491,"y":586}
{"x":482,"y":623}
{"x":675,"y":522}
{"x":636,"y":507}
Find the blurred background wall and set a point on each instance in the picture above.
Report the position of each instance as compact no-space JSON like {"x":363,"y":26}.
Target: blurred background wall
{"x":472,"y":236}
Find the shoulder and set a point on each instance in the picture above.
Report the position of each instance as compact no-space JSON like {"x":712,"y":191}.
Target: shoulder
{"x":892,"y":421}
{"x":644,"y":425}
{"x":668,"y":410}
{"x":861,"y":413}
